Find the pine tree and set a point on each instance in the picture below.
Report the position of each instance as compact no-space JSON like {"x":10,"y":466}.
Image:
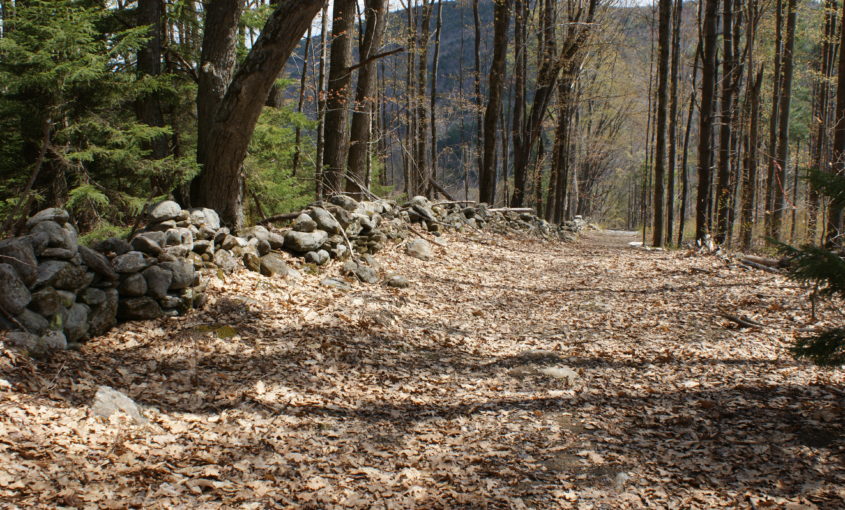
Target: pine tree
{"x":825,"y":268}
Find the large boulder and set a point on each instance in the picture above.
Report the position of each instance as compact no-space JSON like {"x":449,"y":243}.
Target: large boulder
{"x":62,"y":275}
{"x":303,"y":242}
{"x":18,"y":253}
{"x":163,"y":211}
{"x":325,"y":220}
{"x":183,"y":273}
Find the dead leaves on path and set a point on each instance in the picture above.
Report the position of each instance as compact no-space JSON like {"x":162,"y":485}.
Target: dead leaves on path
{"x":444,"y":395}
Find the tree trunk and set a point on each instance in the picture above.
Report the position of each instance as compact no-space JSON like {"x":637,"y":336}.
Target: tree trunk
{"x":723,"y":196}
{"x":337,"y":100}
{"x":783,"y":122}
{"x":663,"y":42}
{"x":673,"y":118}
{"x":149,"y":63}
{"x":771,"y":186}
{"x":708,"y":86}
{"x":321,"y":102}
{"x":365,"y":95}
{"x":220,"y":184}
{"x":432,"y":109}
{"x":834,"y":216}
{"x":749,"y":183}
{"x":487,"y":174}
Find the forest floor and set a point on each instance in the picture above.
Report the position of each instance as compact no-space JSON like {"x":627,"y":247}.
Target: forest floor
{"x":513,"y":373}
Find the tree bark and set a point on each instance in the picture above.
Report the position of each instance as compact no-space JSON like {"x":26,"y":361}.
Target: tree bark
{"x":663,"y":42}
{"x":783,"y":123}
{"x":149,"y":110}
{"x":673,"y":118}
{"x":834,"y":216}
{"x":338,"y":94}
{"x":220,"y":184}
{"x":708,"y":85}
{"x":487,"y":174}
{"x":365,"y":95}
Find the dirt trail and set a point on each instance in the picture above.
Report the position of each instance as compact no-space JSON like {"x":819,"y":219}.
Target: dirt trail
{"x":512,"y":374}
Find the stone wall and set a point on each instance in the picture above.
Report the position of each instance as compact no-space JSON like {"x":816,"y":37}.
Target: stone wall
{"x":55,"y":292}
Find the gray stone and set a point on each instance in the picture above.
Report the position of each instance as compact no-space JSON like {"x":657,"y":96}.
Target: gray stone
{"x":33,"y":322}
{"x":229,"y":242}
{"x":172,"y":237}
{"x":54,"y":214}
{"x":183,"y":273}
{"x":57,"y":236}
{"x":419,"y":248}
{"x":157,"y":237}
{"x":225,"y":261}
{"x":47,"y":302}
{"x":262,"y":247}
{"x":163,"y":211}
{"x":303,"y":242}
{"x":113,"y":245}
{"x":177,"y":252}
{"x":252,"y":262}
{"x":203,"y":246}
{"x":206,"y":234}
{"x":104,"y":316}
{"x":361,"y":271}
{"x":62,"y":275}
{"x":273,"y":264}
{"x":304,"y":223}
{"x":158,"y":280}
{"x":131,"y":262}
{"x":421,"y":207}
{"x":14,"y":294}
{"x":145,"y":244}
{"x":19,"y":253}
{"x":108,"y":401}
{"x":325,"y":220}
{"x":133,"y":285}
{"x":202,"y":216}
{"x":335,"y":284}
{"x":93,"y":297}
{"x":138,"y":308}
{"x":397,"y":281}
{"x":348,"y":203}
{"x":76,"y":322}
{"x":277,"y":241}
{"x":172,"y":302}
{"x":29,"y":341}
{"x":57,"y":253}
{"x":163,"y":226}
{"x":319,"y":257}
{"x":257,"y":232}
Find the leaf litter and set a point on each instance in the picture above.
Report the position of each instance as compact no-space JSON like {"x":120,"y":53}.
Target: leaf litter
{"x":510,"y":374}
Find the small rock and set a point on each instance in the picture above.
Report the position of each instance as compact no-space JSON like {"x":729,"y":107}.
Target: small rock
{"x":76,"y":322}
{"x":108,"y":401}
{"x":113,"y":245}
{"x":19,"y":253}
{"x":98,"y":263}
{"x":14,"y":294}
{"x":263,"y":247}
{"x":304,"y":223}
{"x":335,"y":283}
{"x":419,"y":248}
{"x":145,"y":244}
{"x":104,"y":316}
{"x":47,"y":302}
{"x":158,"y":280}
{"x":93,"y":297}
{"x":348,"y":203}
{"x":202,"y":216}
{"x":397,"y":281}
{"x":57,"y":236}
{"x":320,"y":257}
{"x":163,"y":211}
{"x":203,"y":246}
{"x":277,"y":241}
{"x":33,"y":322}
{"x":258,"y":232}
{"x":133,"y":285}
{"x":361,"y":271}
{"x":57,"y":253}
{"x":54,"y":340}
{"x":183,"y":273}
{"x":224,"y":260}
{"x":131,"y":262}
{"x":561,"y":372}
{"x":54,"y":214}
{"x":252,"y":262}
{"x":138,"y":308}
{"x":273,"y":264}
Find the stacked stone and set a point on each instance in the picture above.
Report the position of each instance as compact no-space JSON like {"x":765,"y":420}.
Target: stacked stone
{"x":54,"y":292}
